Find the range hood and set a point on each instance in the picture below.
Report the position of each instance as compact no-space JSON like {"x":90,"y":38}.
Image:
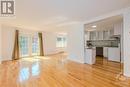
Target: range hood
{"x":115,"y":36}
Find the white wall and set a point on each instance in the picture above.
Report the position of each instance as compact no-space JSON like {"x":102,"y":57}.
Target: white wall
{"x":49,"y":43}
{"x":121,"y":40}
{"x":0,"y":43}
{"x":76,"y":43}
{"x":117,"y":28}
{"x":7,"y":42}
{"x":126,"y":43}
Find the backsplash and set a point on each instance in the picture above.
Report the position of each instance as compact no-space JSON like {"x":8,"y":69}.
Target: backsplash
{"x":102,"y":43}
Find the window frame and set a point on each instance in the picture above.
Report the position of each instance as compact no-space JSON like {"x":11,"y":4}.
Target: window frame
{"x":64,"y":44}
{"x":38,"y":53}
{"x":30,"y":39}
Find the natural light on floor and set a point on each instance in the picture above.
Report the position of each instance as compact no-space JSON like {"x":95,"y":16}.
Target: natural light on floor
{"x":35,"y":58}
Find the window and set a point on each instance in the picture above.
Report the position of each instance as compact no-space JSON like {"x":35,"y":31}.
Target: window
{"x":29,"y":45}
{"x":61,"y":41}
{"x":35,"y":45}
{"x":24,"y":46}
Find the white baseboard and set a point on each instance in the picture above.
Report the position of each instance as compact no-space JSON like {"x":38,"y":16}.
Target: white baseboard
{"x":75,"y":60}
{"x":2,"y":59}
{"x":53,"y":52}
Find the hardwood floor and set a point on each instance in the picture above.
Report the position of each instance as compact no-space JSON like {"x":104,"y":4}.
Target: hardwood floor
{"x":57,"y":71}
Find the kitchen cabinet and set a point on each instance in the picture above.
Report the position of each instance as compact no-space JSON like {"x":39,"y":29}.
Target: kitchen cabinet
{"x":111,"y":32}
{"x":104,"y":34}
{"x":107,"y":34}
{"x":117,"y":28}
{"x":90,"y":56}
{"x":105,"y":52}
{"x":96,"y":35}
{"x":100,"y":35}
{"x":114,"y":54}
{"x":93,"y":35}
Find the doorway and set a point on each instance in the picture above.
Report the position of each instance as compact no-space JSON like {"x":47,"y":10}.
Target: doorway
{"x":29,"y":45}
{"x":103,"y":39}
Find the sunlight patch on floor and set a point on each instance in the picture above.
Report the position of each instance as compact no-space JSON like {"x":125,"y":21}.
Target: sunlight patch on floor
{"x":35,"y":58}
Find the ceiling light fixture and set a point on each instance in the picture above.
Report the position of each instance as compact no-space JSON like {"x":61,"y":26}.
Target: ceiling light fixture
{"x":94,"y":26}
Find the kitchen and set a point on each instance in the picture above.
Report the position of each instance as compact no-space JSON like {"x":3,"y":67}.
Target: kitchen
{"x":103,"y":39}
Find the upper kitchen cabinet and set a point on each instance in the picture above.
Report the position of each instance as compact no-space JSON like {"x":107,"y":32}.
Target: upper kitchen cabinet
{"x":93,"y":35}
{"x":106,"y":35}
{"x":96,"y":35}
{"x":99,"y":35}
{"x":118,"y":28}
{"x":111,"y":32}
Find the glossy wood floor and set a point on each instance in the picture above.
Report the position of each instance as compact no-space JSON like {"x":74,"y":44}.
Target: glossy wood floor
{"x":56,"y":71}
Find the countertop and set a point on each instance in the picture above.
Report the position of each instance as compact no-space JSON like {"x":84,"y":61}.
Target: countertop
{"x":104,"y":46}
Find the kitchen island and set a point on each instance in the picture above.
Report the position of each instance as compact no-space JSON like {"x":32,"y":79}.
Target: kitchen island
{"x":90,"y":55}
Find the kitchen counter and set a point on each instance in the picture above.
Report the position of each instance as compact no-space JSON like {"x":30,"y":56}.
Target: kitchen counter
{"x":114,"y":54}
{"x":100,"y":46}
{"x":90,"y":56}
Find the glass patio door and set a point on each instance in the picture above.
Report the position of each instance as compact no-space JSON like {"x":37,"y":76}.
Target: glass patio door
{"x":29,"y":45}
{"x":24,"y":45}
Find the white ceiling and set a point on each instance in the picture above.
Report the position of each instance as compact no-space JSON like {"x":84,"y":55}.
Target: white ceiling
{"x":51,"y":14}
{"x":104,"y":24}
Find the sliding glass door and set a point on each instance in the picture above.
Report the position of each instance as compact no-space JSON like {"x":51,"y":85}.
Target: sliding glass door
{"x":24,"y":45}
{"x":29,"y":45}
{"x":35,"y":45}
